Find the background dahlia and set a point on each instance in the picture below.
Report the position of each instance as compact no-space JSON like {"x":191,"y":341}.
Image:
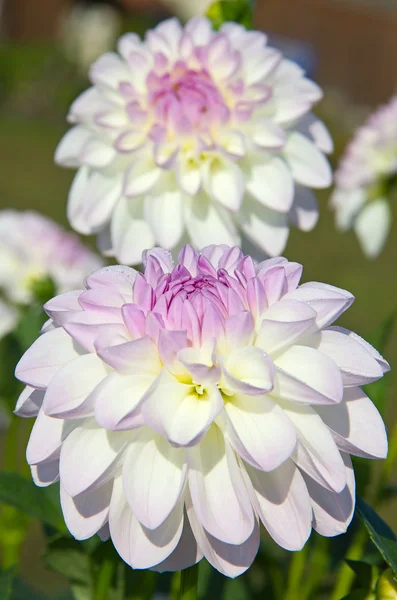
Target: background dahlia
{"x":181,"y":407}
{"x":194,"y":134}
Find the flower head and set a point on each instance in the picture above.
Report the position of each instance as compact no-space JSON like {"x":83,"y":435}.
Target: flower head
{"x":194,"y":133}
{"x":33,"y":248}
{"x":181,"y":406}
{"x":366,"y":171}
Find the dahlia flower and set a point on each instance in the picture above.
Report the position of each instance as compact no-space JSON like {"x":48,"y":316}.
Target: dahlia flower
{"x":363,"y":179}
{"x":32,"y":248}
{"x":194,"y":134}
{"x":181,"y":407}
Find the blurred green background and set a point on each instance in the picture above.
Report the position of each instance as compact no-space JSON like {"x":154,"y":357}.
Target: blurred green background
{"x":42,"y":71}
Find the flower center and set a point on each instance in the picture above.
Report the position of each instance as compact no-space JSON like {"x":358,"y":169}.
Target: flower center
{"x":186,"y":100}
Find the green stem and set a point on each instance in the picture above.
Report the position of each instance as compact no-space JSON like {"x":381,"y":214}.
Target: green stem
{"x":188,"y":585}
{"x":104,"y":580}
{"x":346,"y":575}
{"x":318,"y":566}
{"x":295,"y":574}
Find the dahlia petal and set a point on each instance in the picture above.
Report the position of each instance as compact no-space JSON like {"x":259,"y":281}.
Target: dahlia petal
{"x":261,"y":65}
{"x":47,"y":437}
{"x":129,"y":391}
{"x":374,"y":353}
{"x":60,"y":307}
{"x":185,"y":555}
{"x":206,"y":222}
{"x":226,"y":184}
{"x":328,"y":301}
{"x":271,"y":184}
{"x":333,"y":511}
{"x":356,"y":425}
{"x":109,"y":70}
{"x":200,"y":30}
{"x":372,"y":227}
{"x":141,"y":177}
{"x":68,"y":394}
{"x":321,"y":136}
{"x":164,"y":214}
{"x":99,"y":199}
{"x":199,"y":364}
{"x":275,"y":284}
{"x":283,"y":504}
{"x":171,"y":30}
{"x":29,"y":402}
{"x":358,"y":366}
{"x":139,"y":356}
{"x":86,"y":513}
{"x":308,"y":165}
{"x":266,"y":228}
{"x":304,"y":375}
{"x":42,"y":360}
{"x":316,"y":452}
{"x":89,"y":457}
{"x":259,"y":431}
{"x":130,"y":233}
{"x":45,"y":474}
{"x":231,"y":560}
{"x":233,"y":143}
{"x":176,"y":411}
{"x":188,"y":175}
{"x":348,"y":204}
{"x":188,"y":257}
{"x":304,"y":211}
{"x":268,"y":135}
{"x":75,"y":206}
{"x":153,"y":478}
{"x":70,"y":148}
{"x":163,"y":257}
{"x":248,"y":371}
{"x":239,"y":330}
{"x":97,"y":154}
{"x":85,"y":327}
{"x":214,"y":475}
{"x":119,"y":277}
{"x":138,"y":546}
{"x":283,"y":324}
{"x":102,"y":300}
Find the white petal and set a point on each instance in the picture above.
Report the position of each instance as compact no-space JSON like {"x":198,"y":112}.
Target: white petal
{"x":358,"y":366}
{"x":178,"y":412}
{"x":138,"y":546}
{"x":213,"y":476}
{"x":76,"y":201}
{"x":316,"y":453}
{"x":69,"y":149}
{"x":47,"y":437}
{"x":206,"y":222}
{"x":185,"y":555}
{"x":247,"y":371}
{"x":307,"y":376}
{"x":328,"y":301}
{"x":304,"y":212}
{"x":283,"y":324}
{"x":308,"y":165}
{"x":283,"y":504}
{"x":226,"y":183}
{"x":231,"y":560}
{"x":42,"y":360}
{"x":130,"y":233}
{"x":266,"y":228}
{"x":141,"y":177}
{"x":271,"y":184}
{"x":333,"y":511}
{"x":69,"y":389}
{"x":372,"y":227}
{"x":153,"y":478}
{"x":29,"y":402}
{"x":86,"y":513}
{"x":164,"y":212}
{"x":89,"y":455}
{"x":347,"y":205}
{"x":356,"y":425}
{"x":259,"y":430}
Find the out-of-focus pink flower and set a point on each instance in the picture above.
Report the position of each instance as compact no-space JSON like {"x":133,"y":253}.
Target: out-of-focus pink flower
{"x":363,"y":178}
{"x":182,"y":406}
{"x":32,"y":248}
{"x":194,"y":134}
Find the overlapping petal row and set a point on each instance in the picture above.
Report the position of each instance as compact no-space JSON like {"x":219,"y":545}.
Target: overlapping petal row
{"x":182,"y":407}
{"x":363,"y":180}
{"x":194,"y":134}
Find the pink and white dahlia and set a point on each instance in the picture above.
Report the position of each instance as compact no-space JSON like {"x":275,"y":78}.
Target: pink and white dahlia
{"x":181,"y":407}
{"x":364,"y":177}
{"x":194,"y":134}
{"x":32,"y":248}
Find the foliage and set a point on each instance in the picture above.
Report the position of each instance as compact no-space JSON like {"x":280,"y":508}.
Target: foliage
{"x":239,"y":11}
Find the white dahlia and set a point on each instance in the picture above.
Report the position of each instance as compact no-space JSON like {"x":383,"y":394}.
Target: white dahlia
{"x":181,"y":407}
{"x":33,"y":248}
{"x":194,"y":134}
{"x":364,"y":178}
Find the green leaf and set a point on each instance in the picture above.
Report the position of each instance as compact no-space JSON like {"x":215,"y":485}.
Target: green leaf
{"x":363,"y":570}
{"x":359,"y":595}
{"x":22,"y":493}
{"x":239,"y":11}
{"x":380,"y":533}
{"x":6,"y":583}
{"x":67,"y":557}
